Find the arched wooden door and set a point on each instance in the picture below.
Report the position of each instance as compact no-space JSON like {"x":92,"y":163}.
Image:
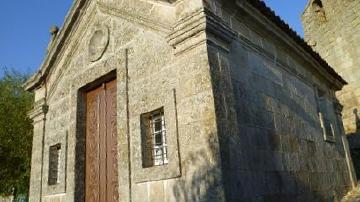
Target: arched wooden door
{"x":101,"y":177}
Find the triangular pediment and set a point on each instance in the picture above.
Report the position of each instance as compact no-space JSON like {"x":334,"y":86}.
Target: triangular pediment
{"x":146,"y":14}
{"x":57,"y":44}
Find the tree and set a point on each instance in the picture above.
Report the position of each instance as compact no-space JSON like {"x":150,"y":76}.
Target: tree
{"x":15,"y":134}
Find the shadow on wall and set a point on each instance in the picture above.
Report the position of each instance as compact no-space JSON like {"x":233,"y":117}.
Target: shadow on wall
{"x":249,"y":173}
{"x":80,"y":149}
{"x":275,"y":156}
{"x":201,"y":180}
{"x":354,"y":143}
{"x":357,"y":121}
{"x":257,"y":175}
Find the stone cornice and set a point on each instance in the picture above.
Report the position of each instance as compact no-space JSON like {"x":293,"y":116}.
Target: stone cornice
{"x":219,"y":33}
{"x":187,"y":27}
{"x":73,"y":45}
{"x":71,"y":21}
{"x":40,"y":109}
{"x":56,"y":46}
{"x":186,"y":31}
{"x":135,"y":18}
{"x":264,"y":15}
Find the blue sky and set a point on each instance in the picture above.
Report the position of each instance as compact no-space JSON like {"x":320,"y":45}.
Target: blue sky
{"x":24,"y":31}
{"x":25,"y":24}
{"x":290,"y":11}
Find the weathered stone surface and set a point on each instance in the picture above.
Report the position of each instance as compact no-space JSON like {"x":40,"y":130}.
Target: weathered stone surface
{"x":333,"y":35}
{"x":239,"y":103}
{"x":337,"y":41}
{"x":268,"y":121}
{"x":6,"y":199}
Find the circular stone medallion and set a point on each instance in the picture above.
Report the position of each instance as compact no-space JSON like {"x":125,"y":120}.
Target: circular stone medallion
{"x":98,"y":44}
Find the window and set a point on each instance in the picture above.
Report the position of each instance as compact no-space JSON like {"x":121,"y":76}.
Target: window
{"x":154,"y":147}
{"x":324,"y":116}
{"x":327,"y":127}
{"x":54,"y":164}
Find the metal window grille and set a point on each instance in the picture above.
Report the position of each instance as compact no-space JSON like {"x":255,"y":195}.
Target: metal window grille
{"x":158,"y":138}
{"x":326,"y":125}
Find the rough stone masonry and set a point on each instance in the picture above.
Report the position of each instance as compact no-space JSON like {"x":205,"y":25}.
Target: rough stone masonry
{"x":331,"y":28}
{"x":334,"y":34}
{"x":247,"y":109}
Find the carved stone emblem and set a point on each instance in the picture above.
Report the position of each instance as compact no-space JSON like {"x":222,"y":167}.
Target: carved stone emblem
{"x":98,"y":43}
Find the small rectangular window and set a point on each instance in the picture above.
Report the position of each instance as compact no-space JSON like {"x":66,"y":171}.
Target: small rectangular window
{"x":326,"y":125}
{"x":154,"y":147}
{"x":54,"y":164}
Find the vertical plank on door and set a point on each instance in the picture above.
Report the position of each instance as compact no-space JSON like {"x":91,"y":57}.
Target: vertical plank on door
{"x":112,"y":162}
{"x":101,"y":181}
{"x":102,"y":145}
{"x":92,"y":178}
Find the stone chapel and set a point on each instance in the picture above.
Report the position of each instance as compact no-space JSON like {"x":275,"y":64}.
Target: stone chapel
{"x":185,"y":100}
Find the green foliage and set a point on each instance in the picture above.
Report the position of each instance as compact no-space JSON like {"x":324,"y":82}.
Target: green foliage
{"x":15,"y":134}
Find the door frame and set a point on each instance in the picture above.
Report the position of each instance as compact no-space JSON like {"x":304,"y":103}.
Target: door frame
{"x":88,"y":76}
{"x":80,"y":144}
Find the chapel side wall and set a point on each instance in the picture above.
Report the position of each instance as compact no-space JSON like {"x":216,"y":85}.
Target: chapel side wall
{"x":337,"y":41}
{"x":275,"y":148}
{"x":149,"y":75}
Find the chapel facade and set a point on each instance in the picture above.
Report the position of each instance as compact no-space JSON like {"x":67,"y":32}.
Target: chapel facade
{"x":185,"y":100}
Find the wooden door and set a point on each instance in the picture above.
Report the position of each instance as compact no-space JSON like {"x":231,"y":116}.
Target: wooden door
{"x":101,"y":177}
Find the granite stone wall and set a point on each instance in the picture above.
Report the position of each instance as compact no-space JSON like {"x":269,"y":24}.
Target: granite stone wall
{"x":271,"y":140}
{"x":337,"y":40}
{"x":239,"y":103}
{"x":150,"y":74}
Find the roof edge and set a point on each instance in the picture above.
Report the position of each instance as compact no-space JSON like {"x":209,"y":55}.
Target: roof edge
{"x":76,"y":10}
{"x":306,"y":6}
{"x":283,"y":26}
{"x":56,"y":45}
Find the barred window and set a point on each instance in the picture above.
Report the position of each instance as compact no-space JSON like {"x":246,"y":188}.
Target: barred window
{"x":324,"y":116}
{"x":327,"y":127}
{"x":54,"y":164}
{"x":154,"y":147}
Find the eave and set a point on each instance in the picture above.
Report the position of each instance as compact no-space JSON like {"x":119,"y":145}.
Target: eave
{"x":270,"y":15}
{"x":56,"y":45}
